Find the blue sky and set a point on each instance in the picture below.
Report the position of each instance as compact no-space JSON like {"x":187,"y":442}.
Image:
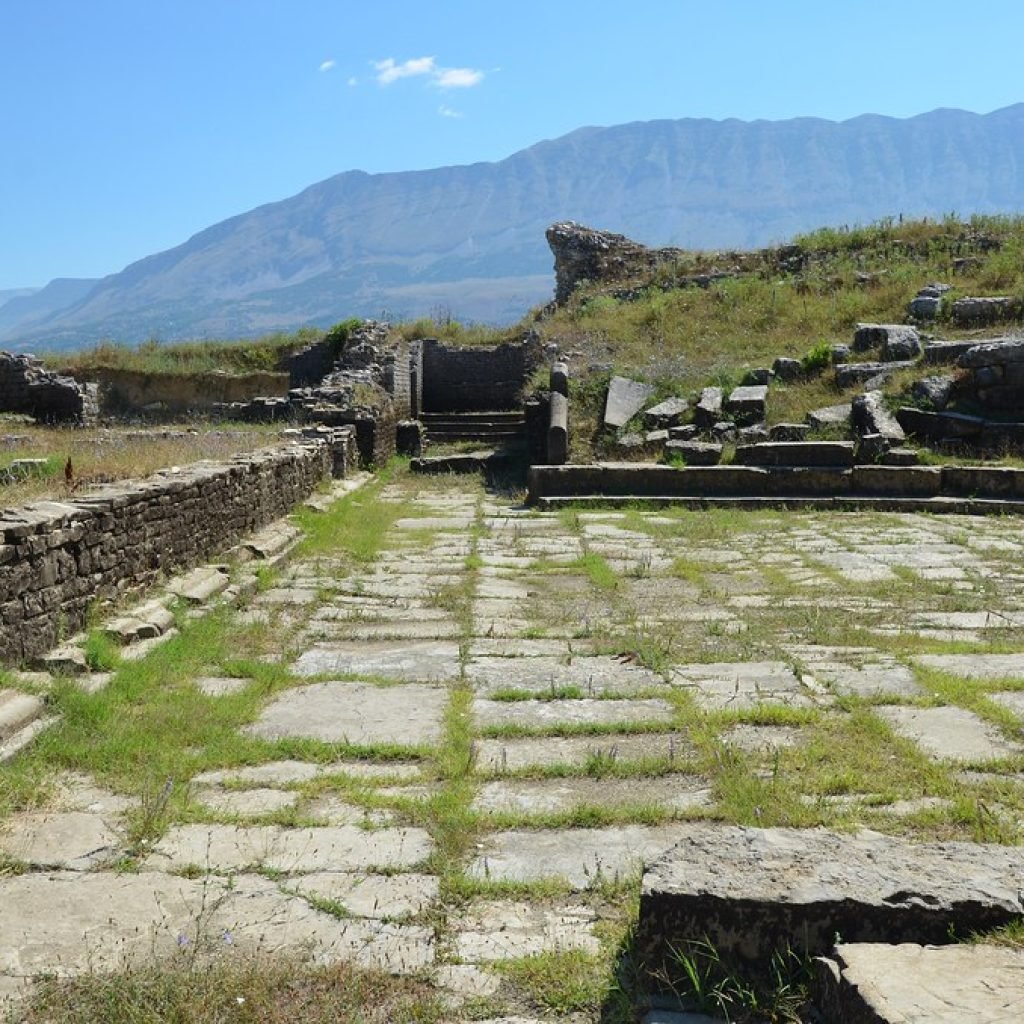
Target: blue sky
{"x":128,"y":125}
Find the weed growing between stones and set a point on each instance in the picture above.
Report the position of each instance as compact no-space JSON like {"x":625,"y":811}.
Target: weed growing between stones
{"x":702,"y":980}
{"x":244,"y":988}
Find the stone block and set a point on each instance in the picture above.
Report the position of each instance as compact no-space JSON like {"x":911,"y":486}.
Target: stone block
{"x":939,"y":426}
{"x":898,"y":481}
{"x":752,"y":891}
{"x":870,"y":416}
{"x":982,"y":310}
{"x":1000,"y":352}
{"x":694,"y":453}
{"x":787,"y":369}
{"x":666,"y":414}
{"x":983,"y":481}
{"x":881,"y":336}
{"x":796,"y":453}
{"x":934,"y":393}
{"x":788,"y":432}
{"x":747,"y":404}
{"x":830,"y":416}
{"x":941,"y":352}
{"x":624,"y":400}
{"x":709,"y":408}
{"x":558,"y":429}
{"x":871,"y":374}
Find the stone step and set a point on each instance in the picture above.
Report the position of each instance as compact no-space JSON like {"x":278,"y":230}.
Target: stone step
{"x":429,"y":419}
{"x":199,"y":585}
{"x":17,"y":710}
{"x":796,"y":453}
{"x":22,"y":718}
{"x":488,"y":436}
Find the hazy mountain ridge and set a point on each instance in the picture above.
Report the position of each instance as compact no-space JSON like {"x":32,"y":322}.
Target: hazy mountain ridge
{"x":471,"y":238}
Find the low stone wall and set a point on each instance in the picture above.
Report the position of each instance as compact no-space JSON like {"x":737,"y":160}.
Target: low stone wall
{"x":133,"y":392}
{"x":630,"y":479}
{"x":59,"y":559}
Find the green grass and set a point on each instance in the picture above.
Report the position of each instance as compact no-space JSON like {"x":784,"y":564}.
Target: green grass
{"x":243,"y":989}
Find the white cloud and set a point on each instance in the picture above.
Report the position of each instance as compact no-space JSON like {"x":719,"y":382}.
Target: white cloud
{"x":327,"y":65}
{"x":389,"y":71}
{"x":458,"y":78}
{"x":353,"y":80}
{"x":448,"y":112}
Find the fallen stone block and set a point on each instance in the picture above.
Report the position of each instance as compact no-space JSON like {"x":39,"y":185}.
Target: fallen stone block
{"x":993,"y":353}
{"x":934,"y":393}
{"x":709,"y":409}
{"x":753,"y":891}
{"x":988,"y":309}
{"x":870,"y":416}
{"x":625,"y":399}
{"x":747,"y":404}
{"x":851,"y":374}
{"x":886,"y":336}
{"x":666,"y":414}
{"x":830,"y":416}
{"x":939,"y":426}
{"x":199,"y":585}
{"x":788,"y":432}
{"x":787,"y":369}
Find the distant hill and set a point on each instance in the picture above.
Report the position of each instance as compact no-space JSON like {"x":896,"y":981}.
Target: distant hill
{"x":22,"y":312}
{"x":470,"y":239}
{"x":6,"y":294}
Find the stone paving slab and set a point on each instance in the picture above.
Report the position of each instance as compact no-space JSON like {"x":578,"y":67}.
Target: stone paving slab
{"x":512,"y":754}
{"x":761,"y":739}
{"x":359,"y":713}
{"x":976,"y":666}
{"x":299,"y":850}
{"x":548,"y":796}
{"x":500,"y":647}
{"x":581,"y":857}
{"x":590,"y":676}
{"x":856,"y":671}
{"x":491,"y":930}
{"x":368,"y":895}
{"x":221,"y":686}
{"x":950,"y":733}
{"x":749,"y":890}
{"x":273,"y":773}
{"x":914,"y":984}
{"x":540,"y":714}
{"x":77,"y":923}
{"x":742,"y":685}
{"x":331,"y":809}
{"x":73,"y":840}
{"x":245,"y":803}
{"x":417,"y":661}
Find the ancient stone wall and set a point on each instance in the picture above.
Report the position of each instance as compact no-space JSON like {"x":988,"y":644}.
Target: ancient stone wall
{"x":466,"y":379}
{"x":134,"y":392}
{"x":57,"y":559}
{"x":310,"y":365}
{"x":26,"y":386}
{"x":584,"y":254}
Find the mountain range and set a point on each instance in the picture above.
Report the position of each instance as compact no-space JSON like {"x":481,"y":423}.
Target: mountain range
{"x":469,"y":240}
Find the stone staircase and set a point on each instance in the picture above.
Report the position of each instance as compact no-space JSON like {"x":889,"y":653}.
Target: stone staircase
{"x":22,"y":718}
{"x":490,"y":429}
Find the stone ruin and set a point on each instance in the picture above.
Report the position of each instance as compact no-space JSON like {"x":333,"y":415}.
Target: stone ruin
{"x":26,"y":386}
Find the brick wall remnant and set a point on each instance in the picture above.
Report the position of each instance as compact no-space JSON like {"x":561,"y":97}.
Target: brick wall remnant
{"x":60,"y":558}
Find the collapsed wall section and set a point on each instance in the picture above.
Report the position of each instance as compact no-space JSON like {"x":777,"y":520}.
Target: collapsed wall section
{"x":59,"y":559}
{"x":26,"y":386}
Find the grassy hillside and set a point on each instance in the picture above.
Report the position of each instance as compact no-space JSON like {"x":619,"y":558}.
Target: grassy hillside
{"x":788,"y":301}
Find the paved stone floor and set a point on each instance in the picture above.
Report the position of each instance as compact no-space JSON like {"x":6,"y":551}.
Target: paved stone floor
{"x":526,"y":707}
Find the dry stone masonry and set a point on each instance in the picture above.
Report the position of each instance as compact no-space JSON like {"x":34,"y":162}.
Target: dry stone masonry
{"x":58,"y":559}
{"x":26,"y":386}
